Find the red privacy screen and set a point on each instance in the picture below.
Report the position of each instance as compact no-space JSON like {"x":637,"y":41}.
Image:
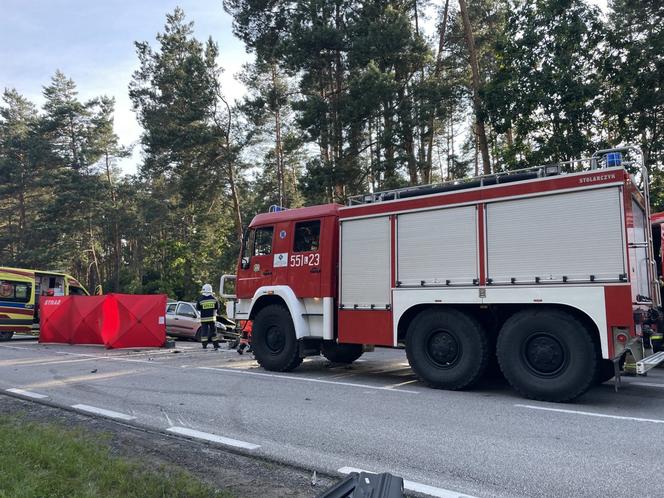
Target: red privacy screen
{"x":115,"y":320}
{"x":55,"y":319}
{"x":134,"y":321}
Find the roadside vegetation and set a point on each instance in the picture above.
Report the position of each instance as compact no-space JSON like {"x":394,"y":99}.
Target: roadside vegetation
{"x":49,"y":460}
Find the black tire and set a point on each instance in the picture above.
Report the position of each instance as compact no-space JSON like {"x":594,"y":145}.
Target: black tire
{"x":547,"y":355}
{"x":341,"y":353}
{"x":198,"y":335}
{"x":273,"y":340}
{"x":447,"y":349}
{"x":6,"y":335}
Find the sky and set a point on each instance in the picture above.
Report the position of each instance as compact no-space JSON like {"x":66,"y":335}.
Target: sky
{"x":92,"y":42}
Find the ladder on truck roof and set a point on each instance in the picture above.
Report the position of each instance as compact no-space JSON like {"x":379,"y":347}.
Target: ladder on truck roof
{"x":601,"y":159}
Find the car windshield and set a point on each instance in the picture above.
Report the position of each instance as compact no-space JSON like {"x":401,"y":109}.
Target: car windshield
{"x":186,"y":309}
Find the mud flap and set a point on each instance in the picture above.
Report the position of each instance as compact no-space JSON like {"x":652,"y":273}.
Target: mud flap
{"x":309,"y":347}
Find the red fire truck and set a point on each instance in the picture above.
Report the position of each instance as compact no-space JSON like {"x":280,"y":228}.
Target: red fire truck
{"x":548,"y":270}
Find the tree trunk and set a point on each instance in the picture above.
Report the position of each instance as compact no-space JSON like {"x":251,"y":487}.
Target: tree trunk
{"x":477,"y":104}
{"x":340,"y":177}
{"x":390,"y":167}
{"x":117,"y":243}
{"x":278,"y":149}
{"x":236,"y":202}
{"x":22,"y":217}
{"x":406,"y":121}
{"x":436,"y":74}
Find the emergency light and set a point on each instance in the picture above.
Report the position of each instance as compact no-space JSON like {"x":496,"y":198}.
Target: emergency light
{"x":613,"y":159}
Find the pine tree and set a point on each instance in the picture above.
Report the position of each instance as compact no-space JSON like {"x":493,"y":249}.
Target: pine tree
{"x":633,"y":76}
{"x":192,"y":152}
{"x":546,"y":90}
{"x":21,"y":179}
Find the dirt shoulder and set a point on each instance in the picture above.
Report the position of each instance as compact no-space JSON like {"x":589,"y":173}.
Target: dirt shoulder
{"x":241,"y":475}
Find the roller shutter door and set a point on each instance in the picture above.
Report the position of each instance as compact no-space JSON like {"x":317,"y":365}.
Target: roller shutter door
{"x":437,"y":247}
{"x":365,"y":263}
{"x":573,"y":235}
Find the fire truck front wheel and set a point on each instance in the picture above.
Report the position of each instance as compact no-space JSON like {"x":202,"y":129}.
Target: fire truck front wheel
{"x":547,"y":354}
{"x":273,"y":339}
{"x":6,"y":335}
{"x":447,"y":349}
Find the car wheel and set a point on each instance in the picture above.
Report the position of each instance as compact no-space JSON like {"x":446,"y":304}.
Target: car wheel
{"x":273,"y":339}
{"x":199,"y":332}
{"x":341,"y":353}
{"x":447,"y":349}
{"x":547,"y":354}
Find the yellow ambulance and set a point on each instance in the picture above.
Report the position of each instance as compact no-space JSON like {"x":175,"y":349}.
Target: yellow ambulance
{"x":20,"y":290}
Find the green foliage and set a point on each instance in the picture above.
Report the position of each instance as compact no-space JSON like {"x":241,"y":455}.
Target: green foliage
{"x":48,"y":460}
{"x":546,"y":89}
{"x":633,"y":83}
{"x":189,"y":159}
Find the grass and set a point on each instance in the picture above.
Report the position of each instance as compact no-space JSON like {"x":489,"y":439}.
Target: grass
{"x":48,"y":460}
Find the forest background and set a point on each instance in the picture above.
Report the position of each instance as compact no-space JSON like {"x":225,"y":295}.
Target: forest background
{"x":342,"y":97}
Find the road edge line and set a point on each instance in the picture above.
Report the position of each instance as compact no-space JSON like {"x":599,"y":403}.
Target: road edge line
{"x":103,"y":412}
{"x":27,"y":394}
{"x":591,"y":414}
{"x":215,"y":438}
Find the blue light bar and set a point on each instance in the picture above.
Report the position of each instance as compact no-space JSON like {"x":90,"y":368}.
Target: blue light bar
{"x":613,"y":159}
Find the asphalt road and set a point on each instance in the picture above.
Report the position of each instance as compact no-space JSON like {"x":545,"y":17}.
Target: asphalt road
{"x":373,"y":415}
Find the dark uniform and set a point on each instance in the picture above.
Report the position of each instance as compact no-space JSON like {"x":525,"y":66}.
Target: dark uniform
{"x":208,"y":306}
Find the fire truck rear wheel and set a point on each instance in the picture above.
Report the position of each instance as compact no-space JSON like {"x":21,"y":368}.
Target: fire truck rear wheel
{"x":6,"y":335}
{"x":447,"y":349}
{"x":547,"y":355}
{"x":341,"y":353}
{"x":273,"y":339}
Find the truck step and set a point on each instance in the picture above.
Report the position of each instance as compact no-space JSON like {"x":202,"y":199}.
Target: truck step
{"x":649,"y":362}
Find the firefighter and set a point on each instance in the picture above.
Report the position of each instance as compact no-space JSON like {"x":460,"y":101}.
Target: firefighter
{"x":245,"y":339}
{"x":208,"y":305}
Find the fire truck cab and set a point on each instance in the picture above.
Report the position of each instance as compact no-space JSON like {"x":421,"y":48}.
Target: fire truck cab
{"x":548,"y":272}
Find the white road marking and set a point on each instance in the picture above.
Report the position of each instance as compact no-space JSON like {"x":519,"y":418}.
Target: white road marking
{"x":417,"y":487}
{"x":92,"y":377}
{"x":184,"y":431}
{"x":27,"y":394}
{"x":307,"y":379}
{"x":15,"y":347}
{"x":394,"y":386}
{"x":117,"y":358}
{"x":170,"y":422}
{"x":386,"y":370}
{"x":592,"y":414}
{"x":102,"y":411}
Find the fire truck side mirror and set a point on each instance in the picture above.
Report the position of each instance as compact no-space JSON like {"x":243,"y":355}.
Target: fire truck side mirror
{"x":244,"y":263}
